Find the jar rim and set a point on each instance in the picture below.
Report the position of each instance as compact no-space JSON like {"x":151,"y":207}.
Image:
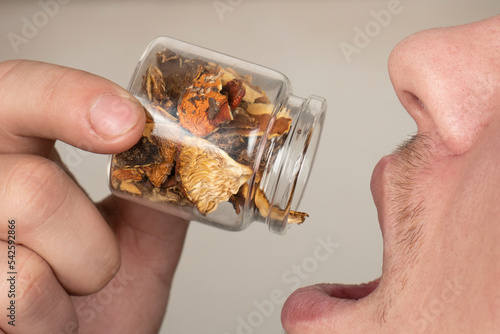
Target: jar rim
{"x":296,"y":159}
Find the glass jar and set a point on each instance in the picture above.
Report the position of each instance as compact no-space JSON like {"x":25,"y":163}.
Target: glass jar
{"x":225,"y":143}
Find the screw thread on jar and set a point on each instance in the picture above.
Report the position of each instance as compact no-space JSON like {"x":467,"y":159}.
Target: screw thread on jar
{"x":286,"y":174}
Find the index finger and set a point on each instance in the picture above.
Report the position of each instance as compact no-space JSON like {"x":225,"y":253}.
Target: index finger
{"x":41,"y":102}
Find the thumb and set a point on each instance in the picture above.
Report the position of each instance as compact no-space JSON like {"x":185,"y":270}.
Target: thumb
{"x":40,"y":101}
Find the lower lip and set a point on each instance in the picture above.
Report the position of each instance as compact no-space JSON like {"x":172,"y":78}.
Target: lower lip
{"x":324,"y":301}
{"x":311,"y":304}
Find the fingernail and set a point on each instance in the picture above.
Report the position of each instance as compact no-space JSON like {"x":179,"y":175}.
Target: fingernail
{"x":114,"y":115}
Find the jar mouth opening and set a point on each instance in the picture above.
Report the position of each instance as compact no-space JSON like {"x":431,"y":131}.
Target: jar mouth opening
{"x":297,"y":158}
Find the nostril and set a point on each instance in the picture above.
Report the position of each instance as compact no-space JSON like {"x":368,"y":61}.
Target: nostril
{"x":413,"y":100}
{"x":414,"y":105}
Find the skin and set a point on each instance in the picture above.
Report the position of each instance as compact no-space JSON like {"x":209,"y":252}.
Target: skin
{"x":97,"y":268}
{"x":437,"y":199}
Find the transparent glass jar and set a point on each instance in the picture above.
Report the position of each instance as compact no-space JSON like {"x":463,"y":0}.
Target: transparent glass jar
{"x":226,"y":143}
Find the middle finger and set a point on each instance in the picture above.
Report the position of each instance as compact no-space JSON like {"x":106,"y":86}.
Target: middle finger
{"x":57,"y":221}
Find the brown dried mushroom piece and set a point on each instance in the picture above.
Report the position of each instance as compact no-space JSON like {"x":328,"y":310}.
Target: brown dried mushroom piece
{"x":262,"y":203}
{"x":235,"y":92}
{"x":164,"y":134}
{"x":262,"y":113}
{"x":207,"y":175}
{"x":154,"y":84}
{"x":141,"y":154}
{"x":178,"y":72}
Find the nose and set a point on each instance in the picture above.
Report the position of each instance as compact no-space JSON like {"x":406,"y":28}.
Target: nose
{"x":448,"y":80}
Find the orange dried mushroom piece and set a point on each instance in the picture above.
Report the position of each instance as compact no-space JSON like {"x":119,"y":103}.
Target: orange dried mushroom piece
{"x":126,"y":174}
{"x":208,"y":175}
{"x":202,"y":112}
{"x":159,"y":173}
{"x":164,"y":133}
{"x":209,"y":82}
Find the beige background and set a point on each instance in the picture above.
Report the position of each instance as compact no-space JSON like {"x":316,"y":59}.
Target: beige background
{"x":224,"y":276}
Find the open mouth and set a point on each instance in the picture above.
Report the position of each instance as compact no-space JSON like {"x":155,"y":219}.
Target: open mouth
{"x":349,"y":291}
{"x":322,"y":301}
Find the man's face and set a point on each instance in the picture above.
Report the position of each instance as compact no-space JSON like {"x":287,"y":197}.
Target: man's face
{"x":437,"y":197}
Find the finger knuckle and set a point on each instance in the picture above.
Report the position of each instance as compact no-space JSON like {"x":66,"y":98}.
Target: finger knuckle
{"x":38,"y":188}
{"x":33,"y":273}
{"x":32,"y":282}
{"x":37,"y":294}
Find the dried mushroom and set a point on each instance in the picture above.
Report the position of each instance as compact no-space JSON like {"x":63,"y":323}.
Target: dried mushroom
{"x":235,"y":93}
{"x":204,"y":125}
{"x":265,"y":209}
{"x":208,"y":175}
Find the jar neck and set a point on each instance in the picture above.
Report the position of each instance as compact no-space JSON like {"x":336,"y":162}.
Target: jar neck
{"x":287,"y":174}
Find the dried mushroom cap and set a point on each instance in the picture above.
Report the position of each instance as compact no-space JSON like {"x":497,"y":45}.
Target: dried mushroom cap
{"x":262,"y":203}
{"x":178,"y":72}
{"x":203,"y":108}
{"x":208,"y":175}
{"x":202,"y":113}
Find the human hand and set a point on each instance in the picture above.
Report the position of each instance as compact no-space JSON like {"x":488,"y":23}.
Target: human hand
{"x":67,"y":247}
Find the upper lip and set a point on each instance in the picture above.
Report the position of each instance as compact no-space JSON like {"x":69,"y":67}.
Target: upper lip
{"x":378,"y":189}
